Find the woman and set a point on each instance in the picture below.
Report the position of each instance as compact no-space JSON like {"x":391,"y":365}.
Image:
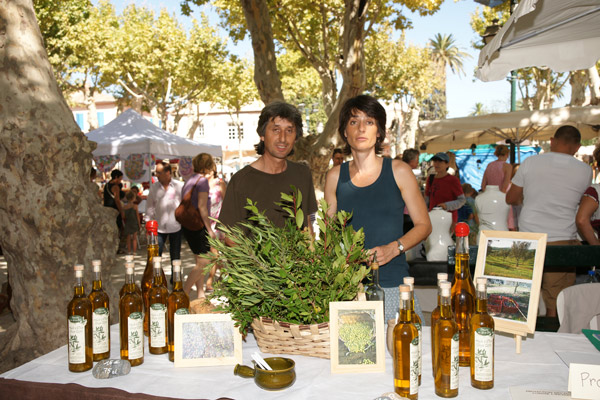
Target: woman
{"x":216,"y":195}
{"x":113,"y":198}
{"x":588,"y":214}
{"x":198,"y":240}
{"x":498,"y":173}
{"x":376,"y":190}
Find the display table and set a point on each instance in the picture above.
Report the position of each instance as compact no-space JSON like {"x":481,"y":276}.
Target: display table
{"x":538,"y":366}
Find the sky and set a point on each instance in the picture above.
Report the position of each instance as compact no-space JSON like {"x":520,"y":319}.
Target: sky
{"x":453,"y":18}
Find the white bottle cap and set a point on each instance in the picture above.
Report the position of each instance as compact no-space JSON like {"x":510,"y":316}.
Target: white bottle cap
{"x":404,"y":292}
{"x":445,"y":287}
{"x":442,"y":276}
{"x":129,"y":267}
{"x":156,"y":262}
{"x":176,"y":262}
{"x":482,"y":280}
{"x":410,"y":281}
{"x":129,"y":258}
{"x":481,"y":284}
{"x":176,"y":267}
{"x":96,"y":265}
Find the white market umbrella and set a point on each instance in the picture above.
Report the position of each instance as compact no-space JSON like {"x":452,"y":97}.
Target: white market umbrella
{"x":517,"y":126}
{"x":563,"y":35}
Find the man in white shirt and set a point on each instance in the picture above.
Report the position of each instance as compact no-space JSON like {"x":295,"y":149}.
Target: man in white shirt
{"x":163,"y":199}
{"x":550,"y":186}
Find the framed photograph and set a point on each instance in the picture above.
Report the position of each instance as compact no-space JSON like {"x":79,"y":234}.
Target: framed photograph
{"x":513,"y":263}
{"x":357,"y":336}
{"x":206,"y":339}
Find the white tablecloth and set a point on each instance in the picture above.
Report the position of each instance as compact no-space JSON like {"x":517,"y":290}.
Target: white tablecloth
{"x":538,"y":366}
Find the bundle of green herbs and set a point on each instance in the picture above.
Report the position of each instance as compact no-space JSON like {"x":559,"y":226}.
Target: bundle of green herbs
{"x":284,"y":273}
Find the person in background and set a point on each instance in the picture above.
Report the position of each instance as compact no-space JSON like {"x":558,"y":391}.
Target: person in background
{"x":411,"y":157}
{"x":338,"y":157}
{"x":162,"y":200}
{"x":467,"y":213}
{"x":498,"y":173}
{"x":218,"y":187}
{"x":442,"y":189}
{"x":452,"y":167}
{"x":203,"y":164}
{"x":376,"y":189}
{"x":588,"y":213}
{"x":550,"y":186}
{"x":113,"y":196}
{"x":132,"y":222}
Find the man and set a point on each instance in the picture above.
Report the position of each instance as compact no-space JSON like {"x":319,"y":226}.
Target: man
{"x":162,"y":200}
{"x":442,"y":189}
{"x":550,"y":186}
{"x":337,"y":157}
{"x":263,"y":181}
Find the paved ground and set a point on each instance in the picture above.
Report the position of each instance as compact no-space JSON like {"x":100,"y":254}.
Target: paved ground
{"x":188,"y":261}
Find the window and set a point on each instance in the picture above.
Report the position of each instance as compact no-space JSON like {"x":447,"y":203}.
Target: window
{"x":79,"y":120}
{"x":201,"y":130}
{"x":100,"y":116}
{"x":232,"y":129}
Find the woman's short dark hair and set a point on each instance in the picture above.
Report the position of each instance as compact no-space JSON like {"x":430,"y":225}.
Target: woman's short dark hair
{"x":370,"y":106}
{"x":115,"y":174}
{"x":269,"y":113}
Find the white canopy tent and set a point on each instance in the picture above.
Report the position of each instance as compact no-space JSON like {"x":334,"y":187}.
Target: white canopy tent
{"x":132,"y":136}
{"x":563,"y":35}
{"x":517,"y":126}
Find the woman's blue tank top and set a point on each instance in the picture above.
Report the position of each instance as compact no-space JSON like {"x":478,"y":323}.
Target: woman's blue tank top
{"x":379,"y":210}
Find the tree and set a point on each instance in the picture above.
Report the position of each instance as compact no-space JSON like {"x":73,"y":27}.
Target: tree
{"x":519,"y":251}
{"x":330,"y":36}
{"x":50,"y":210}
{"x":445,"y":54}
{"x":478,"y":109}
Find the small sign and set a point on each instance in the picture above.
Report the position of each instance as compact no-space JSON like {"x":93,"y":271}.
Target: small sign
{"x":584,"y":381}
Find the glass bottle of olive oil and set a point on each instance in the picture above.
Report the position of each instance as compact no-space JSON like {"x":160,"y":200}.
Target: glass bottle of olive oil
{"x":157,"y":311}
{"x":406,"y":349}
{"x":177,"y":303}
{"x":79,"y":326}
{"x":129,"y":259}
{"x":482,"y":341}
{"x":147,"y":278}
{"x":410,"y":281}
{"x":131,"y":321}
{"x":446,"y":347}
{"x":100,"y":315}
{"x":463,"y":293}
{"x":435,"y":314}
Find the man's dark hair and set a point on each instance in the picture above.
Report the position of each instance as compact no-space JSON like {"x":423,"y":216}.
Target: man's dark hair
{"x":270,"y":112}
{"x":370,"y":106}
{"x":568,"y":134}
{"x":115,"y":174}
{"x":166,"y":166}
{"x":409,"y":155}
{"x":336,"y":151}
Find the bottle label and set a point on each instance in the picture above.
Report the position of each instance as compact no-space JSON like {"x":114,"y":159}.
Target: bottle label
{"x":483,"y":354}
{"x":158,"y":312}
{"x":135,"y":334}
{"x":420,"y":330}
{"x":100,"y":328}
{"x":77,"y":343}
{"x":454,"y":362}
{"x":414,"y":365}
{"x":182,"y":311}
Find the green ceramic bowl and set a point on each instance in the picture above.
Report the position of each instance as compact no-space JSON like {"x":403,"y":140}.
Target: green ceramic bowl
{"x":282,"y":376}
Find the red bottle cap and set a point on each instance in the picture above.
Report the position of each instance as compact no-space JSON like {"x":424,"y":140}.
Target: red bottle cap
{"x":152,"y":226}
{"x":462,"y":229}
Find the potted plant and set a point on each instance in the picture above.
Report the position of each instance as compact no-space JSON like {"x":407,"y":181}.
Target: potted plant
{"x":282,"y":279}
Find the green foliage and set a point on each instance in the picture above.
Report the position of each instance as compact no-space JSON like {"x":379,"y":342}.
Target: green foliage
{"x":357,"y":337}
{"x":283,"y":273}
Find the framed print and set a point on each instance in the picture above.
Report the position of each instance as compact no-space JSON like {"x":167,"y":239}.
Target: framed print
{"x":513,"y":263}
{"x":357,"y":336}
{"x":206,"y":339}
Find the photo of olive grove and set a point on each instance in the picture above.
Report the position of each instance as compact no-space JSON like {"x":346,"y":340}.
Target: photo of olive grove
{"x":510,"y":258}
{"x":357,"y":337}
{"x":211,"y":339}
{"x":508,"y":299}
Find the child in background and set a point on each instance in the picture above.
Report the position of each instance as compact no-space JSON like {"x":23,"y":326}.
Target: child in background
{"x":468,"y":212}
{"x":132,"y":222}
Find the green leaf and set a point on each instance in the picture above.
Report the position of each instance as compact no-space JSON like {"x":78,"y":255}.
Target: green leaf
{"x":299,"y":218}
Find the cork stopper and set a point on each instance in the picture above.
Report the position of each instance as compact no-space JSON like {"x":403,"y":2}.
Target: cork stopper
{"x":96,"y":265}
{"x":410,"y":281}
{"x":461,"y":229}
{"x":404,"y":292}
{"x":481,"y":283}
{"x":445,"y":287}
{"x":442,"y":276}
{"x":176,"y":267}
{"x":176,"y":262}
{"x":78,"y":268}
{"x":374,"y":263}
{"x":129,"y":267}
{"x":156,"y":260}
{"x":129,"y":258}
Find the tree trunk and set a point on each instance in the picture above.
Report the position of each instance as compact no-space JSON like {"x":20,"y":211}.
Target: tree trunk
{"x":49,"y":209}
{"x":90,"y":102}
{"x":578,"y":81}
{"x":594,"y":86}
{"x":411,"y":126}
{"x":317,"y":151}
{"x":266,"y":75}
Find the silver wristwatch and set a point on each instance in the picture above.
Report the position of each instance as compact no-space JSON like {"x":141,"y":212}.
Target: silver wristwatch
{"x":400,"y":246}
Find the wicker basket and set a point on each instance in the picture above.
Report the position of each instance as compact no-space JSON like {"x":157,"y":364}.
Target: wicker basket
{"x":284,"y":338}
